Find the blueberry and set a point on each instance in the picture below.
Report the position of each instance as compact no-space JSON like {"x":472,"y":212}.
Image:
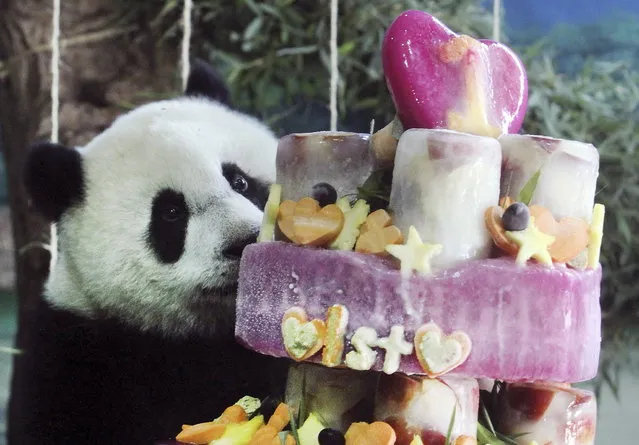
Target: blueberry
{"x":516,"y":217}
{"x":329,"y":436}
{"x":324,"y":193}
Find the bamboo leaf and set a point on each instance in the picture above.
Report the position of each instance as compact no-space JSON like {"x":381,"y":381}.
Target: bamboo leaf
{"x":253,"y":28}
{"x":526,"y":193}
{"x":451,"y":424}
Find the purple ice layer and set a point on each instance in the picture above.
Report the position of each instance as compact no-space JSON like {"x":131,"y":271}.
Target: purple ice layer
{"x":526,"y":323}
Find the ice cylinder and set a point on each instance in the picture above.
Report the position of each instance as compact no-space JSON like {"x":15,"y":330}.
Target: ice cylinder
{"x":443,"y":182}
{"x":424,"y":407}
{"x":341,"y":159}
{"x":567,"y":173}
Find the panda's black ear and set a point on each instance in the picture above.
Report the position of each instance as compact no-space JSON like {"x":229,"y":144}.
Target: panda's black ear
{"x":205,"y":81}
{"x":54,"y":178}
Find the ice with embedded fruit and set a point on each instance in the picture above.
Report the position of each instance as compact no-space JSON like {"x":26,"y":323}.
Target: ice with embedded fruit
{"x":425,"y":407}
{"x":564,"y":173}
{"x":443,"y":181}
{"x":547,"y":413}
{"x":337,"y":396}
{"x":340,"y":159}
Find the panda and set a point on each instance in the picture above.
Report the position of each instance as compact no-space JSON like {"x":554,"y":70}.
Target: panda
{"x":134,"y":335}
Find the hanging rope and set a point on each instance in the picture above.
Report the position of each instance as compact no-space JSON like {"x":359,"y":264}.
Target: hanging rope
{"x":186,"y":40}
{"x":55,"y":108}
{"x":496,"y":20}
{"x":334,"y":67}
{"x":55,"y":71}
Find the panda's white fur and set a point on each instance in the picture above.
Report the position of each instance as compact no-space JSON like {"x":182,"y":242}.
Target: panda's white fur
{"x":105,"y":266}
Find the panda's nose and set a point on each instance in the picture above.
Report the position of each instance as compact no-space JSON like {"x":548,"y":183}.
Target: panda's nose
{"x":235,"y":248}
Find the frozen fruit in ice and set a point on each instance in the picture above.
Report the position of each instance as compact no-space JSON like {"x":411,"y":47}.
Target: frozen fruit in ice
{"x":324,"y":193}
{"x":306,"y":223}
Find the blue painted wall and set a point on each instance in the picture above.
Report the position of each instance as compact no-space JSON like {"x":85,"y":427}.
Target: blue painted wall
{"x":544,"y":14}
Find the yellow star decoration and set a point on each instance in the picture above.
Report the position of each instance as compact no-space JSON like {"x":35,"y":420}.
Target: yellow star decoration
{"x":414,"y":255}
{"x":533,"y":243}
{"x":596,"y":235}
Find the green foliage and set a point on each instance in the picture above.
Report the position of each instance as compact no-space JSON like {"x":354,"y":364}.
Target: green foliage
{"x":276,"y":54}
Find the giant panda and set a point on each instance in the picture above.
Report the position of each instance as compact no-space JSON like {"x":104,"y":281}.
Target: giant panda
{"x":134,"y":334}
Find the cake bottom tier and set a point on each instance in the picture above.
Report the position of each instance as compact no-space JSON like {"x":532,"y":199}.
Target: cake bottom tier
{"x":446,"y":407}
{"x":520,"y":323}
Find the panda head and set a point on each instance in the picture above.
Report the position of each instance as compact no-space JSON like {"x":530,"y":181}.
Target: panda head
{"x":152,"y":214}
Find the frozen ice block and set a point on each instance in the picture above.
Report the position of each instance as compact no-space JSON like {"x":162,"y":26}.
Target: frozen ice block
{"x":548,"y":413}
{"x":338,"y":397}
{"x":525,"y":323}
{"x":341,"y":159}
{"x":439,"y":79}
{"x":567,"y":178}
{"x":424,"y":407}
{"x":443,"y":182}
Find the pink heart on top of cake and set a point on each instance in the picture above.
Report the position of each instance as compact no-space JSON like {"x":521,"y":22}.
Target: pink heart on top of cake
{"x":439,"y":79}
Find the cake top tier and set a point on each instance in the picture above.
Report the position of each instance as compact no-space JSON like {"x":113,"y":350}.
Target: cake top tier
{"x":443,"y":239}
{"x":439,"y":79}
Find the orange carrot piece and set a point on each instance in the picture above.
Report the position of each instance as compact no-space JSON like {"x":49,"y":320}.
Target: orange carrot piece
{"x":290,"y":440}
{"x":267,"y":434}
{"x":201,"y":433}
{"x":263,"y":436}
{"x":281,"y":416}
{"x":232,"y":414}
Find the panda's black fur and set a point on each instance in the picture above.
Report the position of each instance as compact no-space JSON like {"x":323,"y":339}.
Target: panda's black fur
{"x":101,"y":382}
{"x":96,"y":378}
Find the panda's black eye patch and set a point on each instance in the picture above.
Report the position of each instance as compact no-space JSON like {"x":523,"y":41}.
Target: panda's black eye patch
{"x":252,"y":189}
{"x":167,"y":228}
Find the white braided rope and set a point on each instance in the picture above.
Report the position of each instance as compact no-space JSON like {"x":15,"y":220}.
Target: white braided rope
{"x":496,"y":20}
{"x":186,"y":40}
{"x":55,"y":108}
{"x":55,"y":71}
{"x":334,"y":66}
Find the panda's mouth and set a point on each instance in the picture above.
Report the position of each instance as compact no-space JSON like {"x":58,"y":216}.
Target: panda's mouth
{"x":218,"y":291}
{"x":234,"y":249}
{"x":234,"y":253}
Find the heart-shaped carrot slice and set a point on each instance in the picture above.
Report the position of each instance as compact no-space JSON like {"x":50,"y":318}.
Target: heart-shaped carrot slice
{"x":376,"y":433}
{"x":571,"y":234}
{"x":308,"y":224}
